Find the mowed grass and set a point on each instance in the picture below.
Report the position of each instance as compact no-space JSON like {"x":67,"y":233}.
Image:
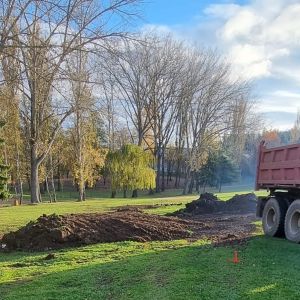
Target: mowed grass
{"x":269,"y":268}
{"x":13,"y":217}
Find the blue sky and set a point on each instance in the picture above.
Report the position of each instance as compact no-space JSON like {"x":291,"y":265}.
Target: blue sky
{"x":260,"y":37}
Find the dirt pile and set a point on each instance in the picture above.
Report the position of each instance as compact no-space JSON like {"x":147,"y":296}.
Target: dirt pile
{"x":245,"y":203}
{"x":56,"y":231}
{"x":209,"y":203}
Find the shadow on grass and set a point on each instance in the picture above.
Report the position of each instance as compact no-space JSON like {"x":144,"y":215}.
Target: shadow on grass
{"x":269,"y":269}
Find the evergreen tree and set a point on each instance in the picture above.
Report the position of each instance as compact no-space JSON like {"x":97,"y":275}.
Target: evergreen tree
{"x":4,"y":194}
{"x":218,"y":170}
{"x":226,"y":170}
{"x":207,"y":174}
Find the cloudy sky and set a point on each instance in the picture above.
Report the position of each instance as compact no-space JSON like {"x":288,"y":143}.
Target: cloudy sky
{"x":260,"y":37}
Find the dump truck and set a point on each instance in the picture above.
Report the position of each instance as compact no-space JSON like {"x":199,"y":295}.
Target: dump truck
{"x":278,"y":171}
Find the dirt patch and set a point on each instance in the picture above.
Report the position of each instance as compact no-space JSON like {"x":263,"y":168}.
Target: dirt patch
{"x":223,"y":223}
{"x":148,"y":206}
{"x":209,"y":203}
{"x":225,"y":229}
{"x":55,"y":231}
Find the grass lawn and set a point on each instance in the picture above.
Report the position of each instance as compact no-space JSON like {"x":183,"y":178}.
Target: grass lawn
{"x":269,"y":268}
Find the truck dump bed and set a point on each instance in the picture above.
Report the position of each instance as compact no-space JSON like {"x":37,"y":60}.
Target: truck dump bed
{"x":278,"y":168}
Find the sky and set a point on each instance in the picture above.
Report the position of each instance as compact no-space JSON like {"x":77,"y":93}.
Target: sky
{"x":261,"y":38}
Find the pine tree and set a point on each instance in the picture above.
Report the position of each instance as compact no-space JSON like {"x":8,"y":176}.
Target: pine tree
{"x":4,"y":194}
{"x":226,"y":170}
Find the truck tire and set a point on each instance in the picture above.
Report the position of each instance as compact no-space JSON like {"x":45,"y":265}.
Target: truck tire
{"x":292,"y":222}
{"x":273,"y":217}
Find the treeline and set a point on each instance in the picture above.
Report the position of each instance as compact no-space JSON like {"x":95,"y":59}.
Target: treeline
{"x":275,"y":138}
{"x":76,"y":90}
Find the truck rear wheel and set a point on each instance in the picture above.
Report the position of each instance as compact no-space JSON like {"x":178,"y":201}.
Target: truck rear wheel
{"x":292,"y":222}
{"x":273,"y":217}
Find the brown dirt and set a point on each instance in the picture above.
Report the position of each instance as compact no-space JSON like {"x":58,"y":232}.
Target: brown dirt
{"x":209,"y":203}
{"x":148,"y":206}
{"x":222,"y":222}
{"x":52,"y":232}
{"x":225,"y":229}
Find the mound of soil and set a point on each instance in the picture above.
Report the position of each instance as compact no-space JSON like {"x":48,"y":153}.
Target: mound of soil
{"x":245,"y":203}
{"x":56,"y":231}
{"x":209,"y":203}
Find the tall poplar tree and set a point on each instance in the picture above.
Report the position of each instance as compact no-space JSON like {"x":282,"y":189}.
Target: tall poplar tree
{"x":4,"y":194}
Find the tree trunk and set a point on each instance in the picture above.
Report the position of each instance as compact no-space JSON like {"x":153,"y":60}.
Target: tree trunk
{"x":220,"y":187}
{"x":28,"y":180}
{"x":113,"y":194}
{"x":124,"y":193}
{"x":59,"y":185}
{"x":34,"y":181}
{"x":134,"y":193}
{"x":48,"y":191}
{"x":169,"y":173}
{"x":21,"y":190}
{"x":177,"y":178}
{"x":43,"y":187}
{"x":157,"y":180}
{"x":52,"y":179}
{"x":191,"y":184}
{"x":81,"y":196}
{"x":163,"y":171}
{"x":197,"y":185}
{"x":186,"y":182}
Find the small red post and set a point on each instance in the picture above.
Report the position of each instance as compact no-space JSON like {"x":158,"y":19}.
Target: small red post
{"x":235,"y":257}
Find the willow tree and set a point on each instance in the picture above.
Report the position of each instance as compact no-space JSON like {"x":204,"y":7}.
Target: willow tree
{"x":4,"y":194}
{"x":129,"y":168}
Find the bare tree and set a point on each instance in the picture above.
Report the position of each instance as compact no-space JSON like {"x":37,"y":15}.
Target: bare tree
{"x":164,"y":75}
{"x":205,"y":111}
{"x":47,"y":35}
{"x":128,"y":66}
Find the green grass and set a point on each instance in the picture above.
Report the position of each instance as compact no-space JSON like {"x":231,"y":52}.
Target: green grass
{"x":13,"y":217}
{"x":183,"y":269}
{"x":156,"y":270}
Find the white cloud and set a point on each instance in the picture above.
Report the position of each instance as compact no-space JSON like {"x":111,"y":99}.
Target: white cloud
{"x":224,"y":11}
{"x":250,"y":61}
{"x":242,"y":25}
{"x":284,"y":29}
{"x":162,"y":29}
{"x":287,"y":94}
{"x":256,"y":36}
{"x":262,"y":40}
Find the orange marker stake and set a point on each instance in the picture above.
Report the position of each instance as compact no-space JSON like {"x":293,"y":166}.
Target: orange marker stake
{"x":235,"y":257}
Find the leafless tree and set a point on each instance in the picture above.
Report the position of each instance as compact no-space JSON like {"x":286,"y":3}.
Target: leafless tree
{"x":164,"y":75}
{"x":206,"y":109}
{"x":46,"y":34}
{"x":128,"y":66}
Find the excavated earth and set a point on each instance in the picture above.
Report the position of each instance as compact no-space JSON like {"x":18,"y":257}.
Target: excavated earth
{"x":221,"y":222}
{"x":209,"y":203}
{"x":56,"y":231}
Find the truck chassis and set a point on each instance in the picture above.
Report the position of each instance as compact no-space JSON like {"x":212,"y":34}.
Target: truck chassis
{"x":278,"y":171}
